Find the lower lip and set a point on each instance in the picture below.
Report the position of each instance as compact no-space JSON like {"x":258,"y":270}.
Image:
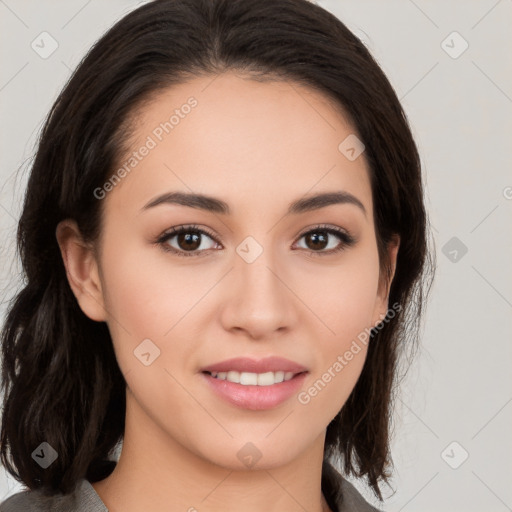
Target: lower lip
{"x":256,"y":398}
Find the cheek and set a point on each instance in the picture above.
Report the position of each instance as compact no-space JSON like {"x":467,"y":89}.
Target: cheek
{"x":150,"y":296}
{"x":343,"y":296}
{"x":144,"y":292}
{"x":146,"y":301}
{"x":341,"y":354}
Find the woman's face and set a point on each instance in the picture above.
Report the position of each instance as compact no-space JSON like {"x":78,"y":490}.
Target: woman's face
{"x":258,"y":278}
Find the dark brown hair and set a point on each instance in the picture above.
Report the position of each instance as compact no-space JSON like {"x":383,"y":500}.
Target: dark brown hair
{"x":60,"y":377}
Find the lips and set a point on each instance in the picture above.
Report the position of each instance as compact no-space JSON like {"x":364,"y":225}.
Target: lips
{"x":255,"y":398}
{"x":245,"y":364}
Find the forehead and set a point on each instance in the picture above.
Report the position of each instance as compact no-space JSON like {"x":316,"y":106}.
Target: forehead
{"x":242,"y":140}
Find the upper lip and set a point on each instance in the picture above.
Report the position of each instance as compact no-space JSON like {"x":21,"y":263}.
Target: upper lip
{"x":245,"y":364}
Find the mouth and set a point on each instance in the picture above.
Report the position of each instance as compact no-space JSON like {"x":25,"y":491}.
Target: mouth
{"x":255,"y":391}
{"x":255,"y":384}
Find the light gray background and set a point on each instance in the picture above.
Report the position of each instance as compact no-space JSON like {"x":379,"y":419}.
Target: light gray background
{"x":460,"y":386}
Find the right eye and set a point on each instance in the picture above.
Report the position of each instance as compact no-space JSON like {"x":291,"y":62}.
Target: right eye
{"x":187,"y":241}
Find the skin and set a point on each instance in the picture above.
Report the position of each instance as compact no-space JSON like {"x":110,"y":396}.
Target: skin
{"x":257,"y":146}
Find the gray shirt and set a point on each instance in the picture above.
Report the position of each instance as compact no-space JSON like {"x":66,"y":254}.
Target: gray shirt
{"x":85,"y":499}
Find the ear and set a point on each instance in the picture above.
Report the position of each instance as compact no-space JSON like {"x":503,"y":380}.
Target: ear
{"x":81,"y":269}
{"x":381,"y":301}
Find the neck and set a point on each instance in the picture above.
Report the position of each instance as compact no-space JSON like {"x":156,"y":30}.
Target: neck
{"x":155,"y":470}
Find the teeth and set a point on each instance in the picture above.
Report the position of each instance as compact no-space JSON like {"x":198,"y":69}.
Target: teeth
{"x":253,"y":379}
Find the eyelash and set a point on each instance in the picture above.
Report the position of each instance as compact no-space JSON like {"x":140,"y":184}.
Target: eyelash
{"x":346,"y":239}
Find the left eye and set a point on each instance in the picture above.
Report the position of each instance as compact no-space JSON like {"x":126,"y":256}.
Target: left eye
{"x":319,"y":240}
{"x":319,"y":237}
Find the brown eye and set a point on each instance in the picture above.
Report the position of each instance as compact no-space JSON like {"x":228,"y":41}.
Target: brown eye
{"x":187,"y":241}
{"x":194,"y":241}
{"x":326,"y":240}
{"x":317,"y":240}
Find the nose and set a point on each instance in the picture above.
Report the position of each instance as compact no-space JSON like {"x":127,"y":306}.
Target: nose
{"x":260,"y":299}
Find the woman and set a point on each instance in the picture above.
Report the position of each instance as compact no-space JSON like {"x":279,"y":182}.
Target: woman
{"x":225,"y":248}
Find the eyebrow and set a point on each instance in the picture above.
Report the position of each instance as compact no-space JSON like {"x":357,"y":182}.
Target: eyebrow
{"x":215,"y":205}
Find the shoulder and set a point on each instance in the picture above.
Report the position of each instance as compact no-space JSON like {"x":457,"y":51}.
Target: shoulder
{"x":353,"y":501}
{"x":340,"y":494}
{"x":83,"y":499}
{"x":35,"y":501}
